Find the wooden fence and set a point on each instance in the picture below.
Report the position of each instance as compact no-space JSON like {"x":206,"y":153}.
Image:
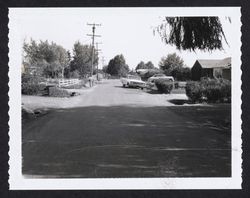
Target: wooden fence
{"x":68,"y":82}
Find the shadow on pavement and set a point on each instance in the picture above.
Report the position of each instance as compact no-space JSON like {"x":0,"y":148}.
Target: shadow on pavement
{"x":125,"y":142}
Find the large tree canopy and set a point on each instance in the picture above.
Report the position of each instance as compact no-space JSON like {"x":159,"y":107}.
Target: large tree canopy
{"x":45,"y":59}
{"x":191,"y":33}
{"x":82,"y":59}
{"x":173,"y":65}
{"x":171,"y":62}
{"x":117,"y":66}
{"x":142,"y":65}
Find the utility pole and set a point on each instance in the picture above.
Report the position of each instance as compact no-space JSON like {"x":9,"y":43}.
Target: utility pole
{"x":98,"y":51}
{"x":93,"y":35}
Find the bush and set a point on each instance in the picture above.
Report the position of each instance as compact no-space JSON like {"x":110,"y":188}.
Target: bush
{"x":57,"y":92}
{"x":31,"y":85}
{"x":210,"y":90}
{"x":164,"y":85}
{"x":194,"y":91}
{"x":226,"y":90}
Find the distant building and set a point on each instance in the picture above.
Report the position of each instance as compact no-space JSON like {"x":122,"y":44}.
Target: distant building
{"x":212,"y":69}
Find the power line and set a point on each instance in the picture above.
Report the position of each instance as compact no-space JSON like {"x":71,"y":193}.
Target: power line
{"x":93,"y":35}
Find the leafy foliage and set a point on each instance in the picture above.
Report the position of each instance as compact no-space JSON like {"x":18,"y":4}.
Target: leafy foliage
{"x":211,"y":90}
{"x":173,"y":65}
{"x":149,"y":65}
{"x":194,"y":91}
{"x":164,"y":85}
{"x":142,"y":65}
{"x":105,"y":68}
{"x":45,"y":59}
{"x":31,"y":85}
{"x":117,"y":66}
{"x":82,"y":59}
{"x":57,"y":92}
{"x":191,"y":33}
{"x":182,"y":73}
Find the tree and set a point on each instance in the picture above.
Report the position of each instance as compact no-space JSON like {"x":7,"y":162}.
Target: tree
{"x":82,"y":59}
{"x":170,"y":63}
{"x":142,"y":65}
{"x":182,"y":73}
{"x":117,"y":66}
{"x":173,"y":65}
{"x":45,"y":59}
{"x":105,"y":68}
{"x":149,"y":65}
{"x":191,"y":33}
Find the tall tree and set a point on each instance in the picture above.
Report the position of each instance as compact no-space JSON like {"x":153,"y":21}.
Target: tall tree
{"x":142,"y":65}
{"x":191,"y":33}
{"x":82,"y":59}
{"x":105,"y":68}
{"x":171,"y":64}
{"x":44,"y":58}
{"x":117,"y":66}
{"x":149,"y":65}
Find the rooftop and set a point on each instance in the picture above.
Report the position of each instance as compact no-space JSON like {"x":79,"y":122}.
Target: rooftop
{"x":209,"y":63}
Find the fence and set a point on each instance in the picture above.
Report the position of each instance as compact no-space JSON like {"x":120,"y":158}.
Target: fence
{"x":68,"y":82}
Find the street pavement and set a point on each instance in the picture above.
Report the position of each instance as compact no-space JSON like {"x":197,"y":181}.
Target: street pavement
{"x":123,"y":132}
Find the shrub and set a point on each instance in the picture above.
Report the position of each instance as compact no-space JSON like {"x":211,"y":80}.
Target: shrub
{"x":31,"y":85}
{"x":211,"y":90}
{"x":57,"y":92}
{"x":194,"y":91}
{"x":164,"y":85}
{"x":74,"y":74}
{"x":226,"y":89}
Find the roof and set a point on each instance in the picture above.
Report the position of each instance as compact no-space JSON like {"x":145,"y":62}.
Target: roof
{"x":208,"y":63}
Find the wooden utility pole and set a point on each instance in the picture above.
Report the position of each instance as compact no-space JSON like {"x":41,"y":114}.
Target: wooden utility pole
{"x":93,"y":35}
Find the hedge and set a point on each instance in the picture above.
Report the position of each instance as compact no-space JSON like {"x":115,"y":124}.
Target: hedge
{"x":164,"y":85}
{"x":57,"y":92}
{"x":210,"y":90}
{"x":31,"y":85}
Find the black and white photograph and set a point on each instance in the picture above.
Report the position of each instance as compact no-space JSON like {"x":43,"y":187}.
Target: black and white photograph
{"x":125,"y":98}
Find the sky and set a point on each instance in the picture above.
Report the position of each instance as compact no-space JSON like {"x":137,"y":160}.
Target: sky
{"x":127,"y":31}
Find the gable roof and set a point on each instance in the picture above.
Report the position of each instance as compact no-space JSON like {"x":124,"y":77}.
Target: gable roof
{"x":208,"y":63}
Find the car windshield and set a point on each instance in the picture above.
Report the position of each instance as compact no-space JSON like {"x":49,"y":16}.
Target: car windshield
{"x":134,"y":77}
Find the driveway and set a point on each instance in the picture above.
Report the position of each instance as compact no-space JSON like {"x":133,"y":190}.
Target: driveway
{"x":121,"y":132}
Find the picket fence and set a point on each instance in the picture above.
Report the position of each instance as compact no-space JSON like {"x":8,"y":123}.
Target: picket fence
{"x":68,"y":82}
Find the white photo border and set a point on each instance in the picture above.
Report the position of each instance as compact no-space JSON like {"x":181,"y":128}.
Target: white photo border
{"x":18,"y":182}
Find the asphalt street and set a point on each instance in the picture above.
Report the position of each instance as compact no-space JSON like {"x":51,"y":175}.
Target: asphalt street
{"x":122,"y":132}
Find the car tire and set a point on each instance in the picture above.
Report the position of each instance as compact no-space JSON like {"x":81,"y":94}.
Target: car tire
{"x":123,"y":85}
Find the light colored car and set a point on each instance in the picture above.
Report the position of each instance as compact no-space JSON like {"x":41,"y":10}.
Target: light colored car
{"x":133,"y":81}
{"x":160,"y":76}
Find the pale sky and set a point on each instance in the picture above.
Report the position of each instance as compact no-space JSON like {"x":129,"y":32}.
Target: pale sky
{"x":127,"y":31}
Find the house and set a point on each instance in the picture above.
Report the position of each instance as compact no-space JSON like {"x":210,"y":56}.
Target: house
{"x":212,"y":69}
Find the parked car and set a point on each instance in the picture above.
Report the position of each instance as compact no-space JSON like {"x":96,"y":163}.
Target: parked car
{"x":133,"y":81}
{"x":160,"y":76}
